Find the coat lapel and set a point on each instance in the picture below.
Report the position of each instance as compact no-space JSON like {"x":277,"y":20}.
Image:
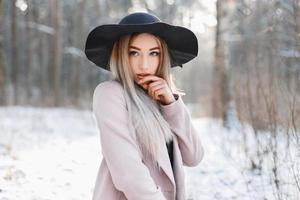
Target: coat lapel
{"x":164,"y":162}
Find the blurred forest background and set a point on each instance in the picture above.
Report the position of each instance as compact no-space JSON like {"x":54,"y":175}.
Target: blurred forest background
{"x":249,"y":53}
{"x":247,"y":71}
{"x":42,"y":44}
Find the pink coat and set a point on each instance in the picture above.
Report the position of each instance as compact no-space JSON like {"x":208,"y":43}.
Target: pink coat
{"x":123,"y":173}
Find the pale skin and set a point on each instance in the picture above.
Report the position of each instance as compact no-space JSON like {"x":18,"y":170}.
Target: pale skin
{"x":144,"y":56}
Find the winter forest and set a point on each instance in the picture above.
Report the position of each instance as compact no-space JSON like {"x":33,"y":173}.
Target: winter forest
{"x":242,"y":90}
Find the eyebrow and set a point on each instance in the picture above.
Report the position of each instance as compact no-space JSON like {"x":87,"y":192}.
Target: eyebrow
{"x":154,"y":48}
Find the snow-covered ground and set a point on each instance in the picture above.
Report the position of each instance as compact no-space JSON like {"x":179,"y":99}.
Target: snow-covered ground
{"x":55,"y":154}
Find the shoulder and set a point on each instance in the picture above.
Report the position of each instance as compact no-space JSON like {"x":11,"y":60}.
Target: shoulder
{"x":110,"y":87}
{"x":110,"y":84}
{"x":108,"y":92}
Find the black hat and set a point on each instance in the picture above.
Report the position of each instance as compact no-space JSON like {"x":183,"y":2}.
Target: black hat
{"x":182,"y":42}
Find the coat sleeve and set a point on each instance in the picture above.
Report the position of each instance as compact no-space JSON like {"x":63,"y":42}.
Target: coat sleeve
{"x":179,"y":119}
{"x":119,"y":147}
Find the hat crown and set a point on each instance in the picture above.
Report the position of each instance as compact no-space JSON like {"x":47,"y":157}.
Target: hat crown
{"x":139,"y":18}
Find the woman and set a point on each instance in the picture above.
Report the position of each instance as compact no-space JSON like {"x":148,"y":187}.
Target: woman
{"x":146,"y":132}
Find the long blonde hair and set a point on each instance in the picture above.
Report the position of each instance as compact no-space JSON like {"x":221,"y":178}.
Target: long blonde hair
{"x":149,"y":125}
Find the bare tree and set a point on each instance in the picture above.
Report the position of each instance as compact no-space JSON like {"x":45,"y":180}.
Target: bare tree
{"x":220,"y":96}
{"x":2,"y":68}
{"x":78,"y":43}
{"x":29,"y":72}
{"x":265,"y":61}
{"x":15,"y":73}
{"x":56,"y":19}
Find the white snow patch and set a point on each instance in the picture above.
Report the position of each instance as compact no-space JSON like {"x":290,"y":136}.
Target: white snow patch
{"x":55,"y":154}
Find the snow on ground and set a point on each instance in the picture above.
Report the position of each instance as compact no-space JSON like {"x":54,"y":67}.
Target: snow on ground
{"x":50,"y":154}
{"x":47,"y":154}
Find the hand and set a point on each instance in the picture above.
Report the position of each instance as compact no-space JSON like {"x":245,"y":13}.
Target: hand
{"x":157,"y":88}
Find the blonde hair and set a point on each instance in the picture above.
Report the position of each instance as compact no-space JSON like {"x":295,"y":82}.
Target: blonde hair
{"x":149,"y":125}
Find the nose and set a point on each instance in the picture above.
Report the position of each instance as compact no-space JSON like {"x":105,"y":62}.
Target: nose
{"x":144,"y":63}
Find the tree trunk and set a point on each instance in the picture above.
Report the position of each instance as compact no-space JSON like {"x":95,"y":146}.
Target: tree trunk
{"x":2,"y":67}
{"x":77,"y":64}
{"x":296,"y":7}
{"x":14,"y":51}
{"x":220,"y":94}
{"x":29,"y":80}
{"x":57,"y":50}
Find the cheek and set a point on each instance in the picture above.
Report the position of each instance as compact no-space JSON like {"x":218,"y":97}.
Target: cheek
{"x":133,"y":64}
{"x":155,"y":64}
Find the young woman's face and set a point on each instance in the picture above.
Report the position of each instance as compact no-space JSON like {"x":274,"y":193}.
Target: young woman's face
{"x":144,"y":55}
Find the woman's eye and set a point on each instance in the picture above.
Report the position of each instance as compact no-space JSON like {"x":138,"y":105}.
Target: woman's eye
{"x":155,"y":53}
{"x":133,"y":53}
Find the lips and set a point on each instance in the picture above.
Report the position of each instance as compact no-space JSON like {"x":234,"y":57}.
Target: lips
{"x":140,"y":76}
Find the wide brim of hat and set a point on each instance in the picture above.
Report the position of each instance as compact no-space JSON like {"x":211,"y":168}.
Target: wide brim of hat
{"x":182,"y":42}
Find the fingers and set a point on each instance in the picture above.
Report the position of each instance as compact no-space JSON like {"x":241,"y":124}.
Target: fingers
{"x":153,"y":86}
{"x":156,"y":86}
{"x":158,"y":93}
{"x":148,"y":79}
{"x":154,"y":89}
